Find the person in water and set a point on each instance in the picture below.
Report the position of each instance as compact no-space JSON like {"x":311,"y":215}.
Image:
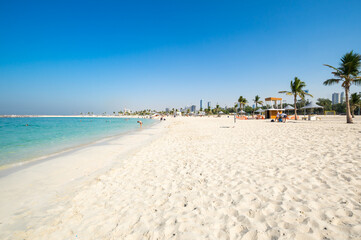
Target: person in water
{"x":140,"y":123}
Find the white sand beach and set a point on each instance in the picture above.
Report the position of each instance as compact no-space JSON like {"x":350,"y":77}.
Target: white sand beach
{"x":196,"y":178}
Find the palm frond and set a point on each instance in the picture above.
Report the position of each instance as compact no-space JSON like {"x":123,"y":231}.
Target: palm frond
{"x":331,"y":81}
{"x":337,"y":70}
{"x":286,"y":92}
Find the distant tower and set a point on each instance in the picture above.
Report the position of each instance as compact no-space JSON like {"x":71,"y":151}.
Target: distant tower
{"x":209,"y":105}
{"x":342,"y":98}
{"x":201,"y":104}
{"x":193,"y":108}
{"x":335,"y":98}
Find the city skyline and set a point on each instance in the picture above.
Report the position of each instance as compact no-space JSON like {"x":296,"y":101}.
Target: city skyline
{"x":335,"y":98}
{"x":340,"y":99}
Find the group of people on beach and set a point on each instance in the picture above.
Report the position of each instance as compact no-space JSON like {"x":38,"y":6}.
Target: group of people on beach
{"x":281,"y":117}
{"x":141,"y":123}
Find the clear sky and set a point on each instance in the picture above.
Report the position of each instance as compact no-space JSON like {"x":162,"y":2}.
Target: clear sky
{"x":67,"y":57}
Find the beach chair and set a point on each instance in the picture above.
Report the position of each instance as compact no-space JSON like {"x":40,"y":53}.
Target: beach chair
{"x":242,"y":117}
{"x":292,"y":117}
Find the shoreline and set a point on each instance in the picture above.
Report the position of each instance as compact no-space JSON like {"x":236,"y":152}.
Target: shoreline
{"x":17,"y":166}
{"x":36,"y":186}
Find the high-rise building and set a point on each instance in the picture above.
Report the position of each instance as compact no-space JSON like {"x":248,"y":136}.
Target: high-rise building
{"x":335,"y":98}
{"x":167,"y":110}
{"x":209,"y":105}
{"x":193,"y":108}
{"x":201,"y":104}
{"x":342,"y":98}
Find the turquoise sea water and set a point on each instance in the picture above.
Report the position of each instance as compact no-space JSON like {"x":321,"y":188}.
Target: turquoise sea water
{"x":48,"y":135}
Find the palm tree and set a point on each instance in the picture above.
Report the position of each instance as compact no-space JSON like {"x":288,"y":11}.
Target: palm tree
{"x":208,"y":109}
{"x":216,"y":109}
{"x":325,"y":103}
{"x":297,"y":91}
{"x":257,"y":101}
{"x":347,"y":73}
{"x":355,"y":101}
{"x":242,"y":101}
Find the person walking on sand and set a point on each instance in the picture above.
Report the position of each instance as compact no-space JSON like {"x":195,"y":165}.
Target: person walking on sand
{"x":140,"y":123}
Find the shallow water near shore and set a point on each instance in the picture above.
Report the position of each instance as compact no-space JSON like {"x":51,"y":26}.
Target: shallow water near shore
{"x":24,"y":139}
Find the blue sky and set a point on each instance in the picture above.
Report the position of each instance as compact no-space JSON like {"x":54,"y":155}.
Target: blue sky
{"x":66,"y":57}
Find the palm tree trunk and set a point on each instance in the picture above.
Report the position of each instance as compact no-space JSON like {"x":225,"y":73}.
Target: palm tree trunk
{"x":348,"y":112}
{"x":295,"y":107}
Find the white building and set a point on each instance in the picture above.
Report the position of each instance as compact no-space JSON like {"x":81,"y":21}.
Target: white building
{"x":335,"y":98}
{"x":342,"y":98}
{"x":127,"y":110}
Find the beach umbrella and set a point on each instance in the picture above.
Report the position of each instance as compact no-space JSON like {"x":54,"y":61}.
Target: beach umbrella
{"x":241,"y":111}
{"x":312,"y":105}
{"x":220,"y":112}
{"x":289,"y":107}
{"x":259,"y":110}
